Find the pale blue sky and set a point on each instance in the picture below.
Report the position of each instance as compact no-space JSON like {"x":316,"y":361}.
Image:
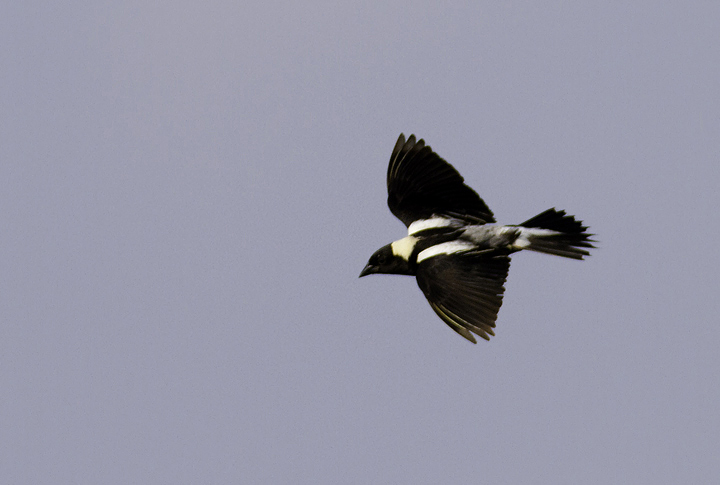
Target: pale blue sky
{"x":188,"y":192}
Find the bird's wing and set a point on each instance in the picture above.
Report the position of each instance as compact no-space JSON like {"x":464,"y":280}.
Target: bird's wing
{"x":421,"y":184}
{"x":465,"y":290}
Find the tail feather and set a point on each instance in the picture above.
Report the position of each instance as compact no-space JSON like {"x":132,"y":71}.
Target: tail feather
{"x":555,"y":232}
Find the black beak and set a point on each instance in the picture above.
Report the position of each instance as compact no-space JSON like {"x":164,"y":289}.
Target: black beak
{"x":368,"y":269}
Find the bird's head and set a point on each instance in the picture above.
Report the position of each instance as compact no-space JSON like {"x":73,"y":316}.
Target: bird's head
{"x":384,"y":260}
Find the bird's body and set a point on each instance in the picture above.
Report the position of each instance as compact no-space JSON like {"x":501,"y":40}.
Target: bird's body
{"x":460,"y":260}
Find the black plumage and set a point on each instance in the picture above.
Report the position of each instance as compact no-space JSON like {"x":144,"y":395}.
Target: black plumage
{"x":421,"y":184}
{"x":461,"y":262}
{"x":465,"y":291}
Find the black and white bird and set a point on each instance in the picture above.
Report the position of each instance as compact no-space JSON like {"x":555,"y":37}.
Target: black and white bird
{"x":460,"y":260}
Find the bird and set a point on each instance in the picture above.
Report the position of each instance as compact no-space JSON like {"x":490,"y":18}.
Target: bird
{"x":454,"y":248}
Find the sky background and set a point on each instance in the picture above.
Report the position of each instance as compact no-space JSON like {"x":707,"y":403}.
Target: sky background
{"x":189,"y":190}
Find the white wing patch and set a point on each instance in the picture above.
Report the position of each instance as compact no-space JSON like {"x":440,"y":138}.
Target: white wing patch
{"x":444,"y":248}
{"x":424,"y":224}
{"x":403,"y":248}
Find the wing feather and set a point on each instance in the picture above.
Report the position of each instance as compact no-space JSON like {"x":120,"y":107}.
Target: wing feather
{"x":465,"y":290}
{"x":421,"y":184}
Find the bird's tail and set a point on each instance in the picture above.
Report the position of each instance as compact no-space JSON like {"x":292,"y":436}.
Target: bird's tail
{"x":554,"y":232}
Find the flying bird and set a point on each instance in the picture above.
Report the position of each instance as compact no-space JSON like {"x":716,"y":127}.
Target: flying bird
{"x":460,"y":259}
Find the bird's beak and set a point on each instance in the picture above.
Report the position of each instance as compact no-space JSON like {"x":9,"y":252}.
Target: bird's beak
{"x":368,"y":269}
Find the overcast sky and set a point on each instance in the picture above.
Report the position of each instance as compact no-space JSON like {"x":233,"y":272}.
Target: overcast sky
{"x":189,"y":190}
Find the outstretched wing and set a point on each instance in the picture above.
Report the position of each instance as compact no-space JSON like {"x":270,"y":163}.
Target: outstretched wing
{"x":421,"y":184}
{"x":465,"y":290}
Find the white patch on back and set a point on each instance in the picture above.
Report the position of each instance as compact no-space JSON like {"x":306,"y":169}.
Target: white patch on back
{"x":425,"y":224}
{"x":403,"y":248}
{"x":450,"y":247}
{"x":523,"y":240}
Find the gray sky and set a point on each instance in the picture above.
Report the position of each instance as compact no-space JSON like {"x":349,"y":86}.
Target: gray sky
{"x":189,"y":190}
